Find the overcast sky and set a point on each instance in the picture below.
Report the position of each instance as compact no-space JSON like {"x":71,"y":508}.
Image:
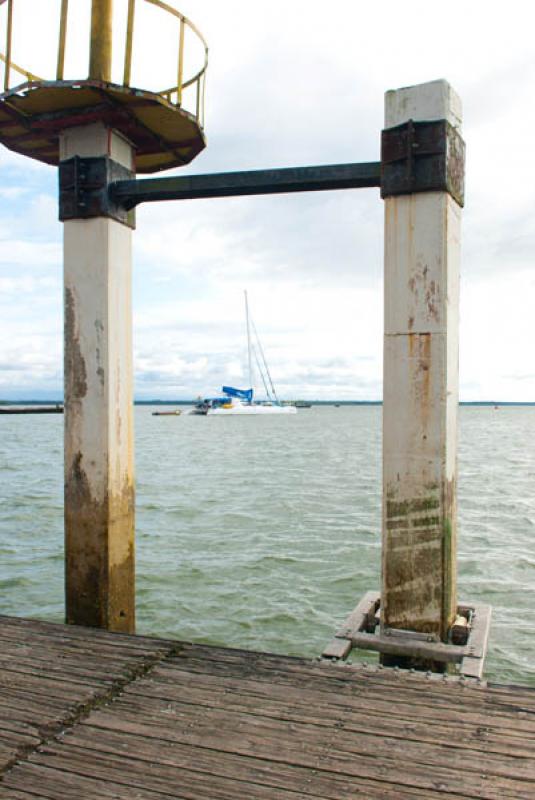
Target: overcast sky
{"x":297,"y":83}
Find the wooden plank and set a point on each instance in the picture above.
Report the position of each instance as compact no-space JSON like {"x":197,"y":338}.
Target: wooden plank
{"x":316,"y":726}
{"x":355,"y":620}
{"x":341,"y":645}
{"x":58,"y":785}
{"x":177,"y":765}
{"x":417,"y":698}
{"x":375,"y":705}
{"x":136,"y":774}
{"x":21,"y":628}
{"x":82,"y":663}
{"x":393,"y":645}
{"x":51,"y":674}
{"x":345,"y":679}
{"x":473,"y":663}
{"x":292,"y":743}
{"x":338,"y":648}
{"x":369,"y":716}
{"x":203,"y":723}
{"x":13,"y":640}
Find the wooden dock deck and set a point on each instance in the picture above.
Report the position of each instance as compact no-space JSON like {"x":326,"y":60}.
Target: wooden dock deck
{"x":90,"y":714}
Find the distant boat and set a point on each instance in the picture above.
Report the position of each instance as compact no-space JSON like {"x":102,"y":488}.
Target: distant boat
{"x":240,"y":402}
{"x":175,"y":413}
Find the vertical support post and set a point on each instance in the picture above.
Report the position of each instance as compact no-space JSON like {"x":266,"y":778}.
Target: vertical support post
{"x":62,"y":38}
{"x":101,"y":40}
{"x":180,"y":75}
{"x":422,"y":249}
{"x":99,"y":470}
{"x":9,"y":35}
{"x":128,"y":44}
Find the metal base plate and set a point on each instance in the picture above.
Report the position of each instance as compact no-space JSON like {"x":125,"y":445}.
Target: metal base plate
{"x":359,"y":630}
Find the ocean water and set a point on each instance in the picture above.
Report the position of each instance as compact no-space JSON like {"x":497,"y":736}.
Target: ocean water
{"x":264,"y":533}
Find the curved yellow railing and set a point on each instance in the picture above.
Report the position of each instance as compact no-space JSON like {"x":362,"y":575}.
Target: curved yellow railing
{"x":173,"y":94}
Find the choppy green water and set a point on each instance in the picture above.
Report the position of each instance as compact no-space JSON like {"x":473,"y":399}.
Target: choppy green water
{"x":264,"y":532}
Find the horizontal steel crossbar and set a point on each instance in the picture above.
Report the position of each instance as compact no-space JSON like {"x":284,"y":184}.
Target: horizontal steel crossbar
{"x":130,"y":193}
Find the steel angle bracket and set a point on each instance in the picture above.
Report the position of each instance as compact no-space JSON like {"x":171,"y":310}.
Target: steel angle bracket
{"x":422,"y":157}
{"x":84,"y":189}
{"x":362,"y":630}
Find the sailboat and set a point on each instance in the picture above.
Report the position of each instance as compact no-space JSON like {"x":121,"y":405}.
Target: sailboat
{"x":235,"y":401}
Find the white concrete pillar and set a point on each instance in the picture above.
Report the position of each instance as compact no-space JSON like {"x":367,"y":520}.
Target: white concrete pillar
{"x":422,"y":249}
{"x":99,"y":469}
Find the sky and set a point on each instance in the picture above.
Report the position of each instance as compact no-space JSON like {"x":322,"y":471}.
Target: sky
{"x":293,"y":83}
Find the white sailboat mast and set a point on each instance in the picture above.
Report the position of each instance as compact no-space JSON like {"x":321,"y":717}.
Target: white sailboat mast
{"x":249,"y":359}
{"x":268,"y":374}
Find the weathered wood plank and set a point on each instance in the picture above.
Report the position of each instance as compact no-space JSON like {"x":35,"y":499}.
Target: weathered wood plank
{"x":58,"y":785}
{"x":416,"y":690}
{"x":472,"y":664}
{"x":22,"y":629}
{"x":149,"y":765}
{"x":167,"y":720}
{"x":341,"y":645}
{"x":203,"y":658}
{"x":50,"y":675}
{"x":291,"y":743}
{"x":372,"y":716}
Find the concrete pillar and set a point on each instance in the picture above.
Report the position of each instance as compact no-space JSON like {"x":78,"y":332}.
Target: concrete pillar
{"x":99,"y":471}
{"x":422,"y":248}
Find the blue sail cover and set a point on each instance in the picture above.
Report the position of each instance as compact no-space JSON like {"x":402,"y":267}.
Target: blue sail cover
{"x":242,"y":394}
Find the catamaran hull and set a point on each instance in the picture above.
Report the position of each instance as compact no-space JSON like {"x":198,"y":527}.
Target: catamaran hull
{"x":240,"y":410}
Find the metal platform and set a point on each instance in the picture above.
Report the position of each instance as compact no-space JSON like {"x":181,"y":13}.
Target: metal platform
{"x":165,"y":127}
{"x":33,"y":114}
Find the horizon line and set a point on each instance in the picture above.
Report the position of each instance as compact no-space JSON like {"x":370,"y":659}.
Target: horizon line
{"x":330,"y":401}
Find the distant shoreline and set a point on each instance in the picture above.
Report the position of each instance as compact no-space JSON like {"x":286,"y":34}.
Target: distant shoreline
{"x":312,"y":402}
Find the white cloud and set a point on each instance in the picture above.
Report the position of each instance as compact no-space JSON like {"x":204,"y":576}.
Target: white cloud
{"x":289,"y":84}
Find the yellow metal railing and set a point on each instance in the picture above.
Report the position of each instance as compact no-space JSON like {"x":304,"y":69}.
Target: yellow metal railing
{"x":173,"y":94}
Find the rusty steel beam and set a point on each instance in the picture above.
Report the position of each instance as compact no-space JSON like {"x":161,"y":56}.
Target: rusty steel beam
{"x":253,"y":182}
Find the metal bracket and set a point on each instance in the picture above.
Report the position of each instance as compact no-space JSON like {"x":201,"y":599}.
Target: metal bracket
{"x":83,"y":189}
{"x":359,"y":630}
{"x":422,"y":157}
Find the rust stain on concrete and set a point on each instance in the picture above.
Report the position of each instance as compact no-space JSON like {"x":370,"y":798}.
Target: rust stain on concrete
{"x":75,"y":369}
{"x":99,"y":328}
{"x":121,"y":601}
{"x":421,"y":287}
{"x":431,"y":300}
